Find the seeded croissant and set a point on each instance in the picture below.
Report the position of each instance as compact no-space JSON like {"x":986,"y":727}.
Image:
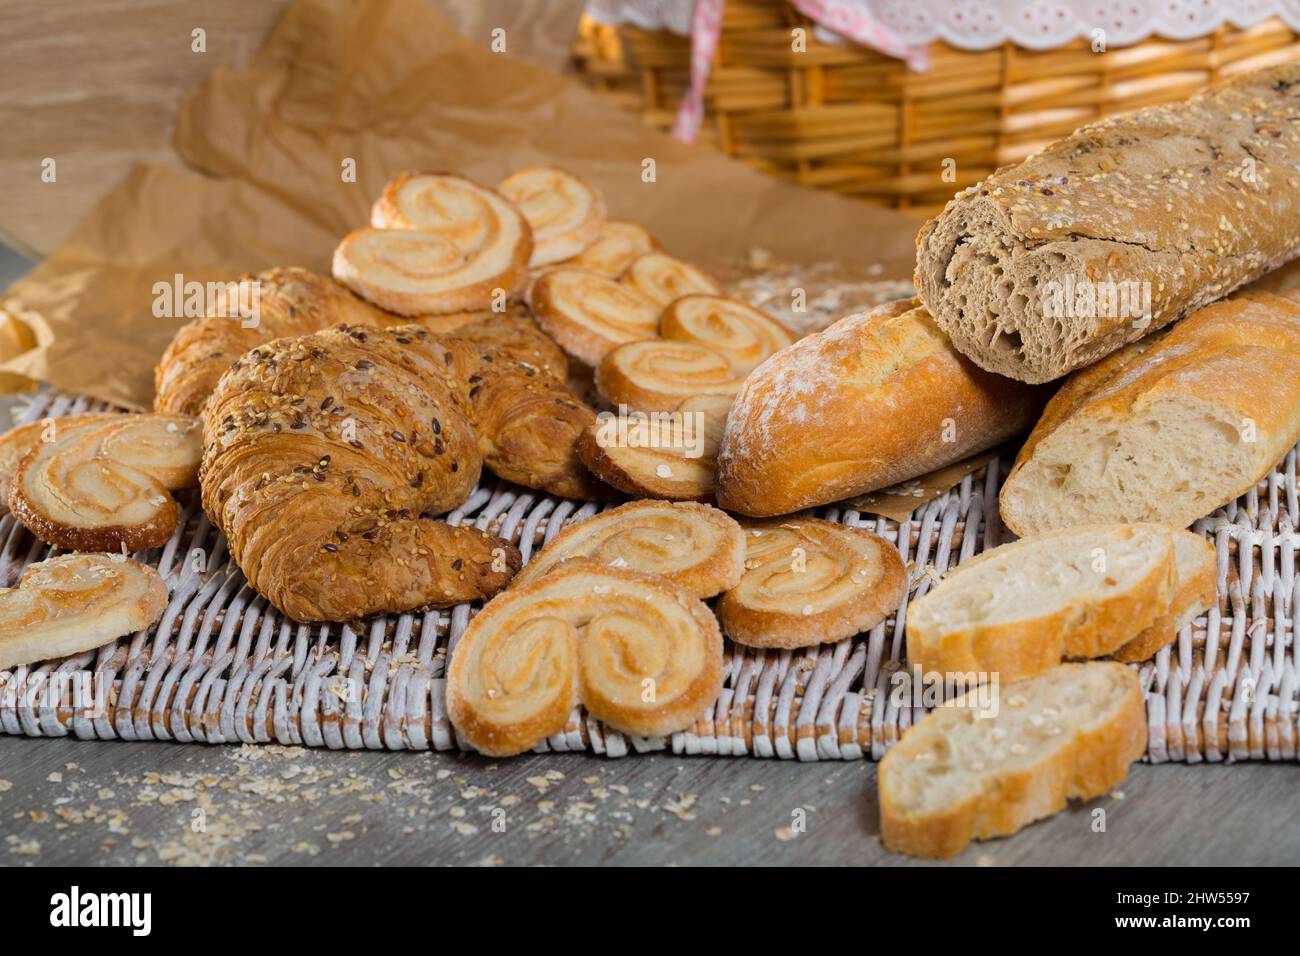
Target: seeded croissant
{"x":321,"y":453}
{"x":293,"y":301}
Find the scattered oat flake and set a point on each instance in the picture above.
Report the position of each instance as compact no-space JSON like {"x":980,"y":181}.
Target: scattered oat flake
{"x":784,"y":834}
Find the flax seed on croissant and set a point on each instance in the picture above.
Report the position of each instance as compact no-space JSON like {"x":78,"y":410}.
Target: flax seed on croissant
{"x":290,"y":301}
{"x":293,"y":301}
{"x":322,"y":451}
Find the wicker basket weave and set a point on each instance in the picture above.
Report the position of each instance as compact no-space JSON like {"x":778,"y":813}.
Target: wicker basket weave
{"x":222,"y":666}
{"x":846,"y":118}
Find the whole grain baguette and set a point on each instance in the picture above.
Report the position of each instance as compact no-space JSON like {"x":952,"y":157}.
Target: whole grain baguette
{"x":1069,"y":734}
{"x":1169,"y":428}
{"x":1183,"y":202}
{"x":1018,"y":609}
{"x":875,"y":399}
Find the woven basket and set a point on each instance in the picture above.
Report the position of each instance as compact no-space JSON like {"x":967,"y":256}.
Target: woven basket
{"x":858,"y":122}
{"x":222,"y":666}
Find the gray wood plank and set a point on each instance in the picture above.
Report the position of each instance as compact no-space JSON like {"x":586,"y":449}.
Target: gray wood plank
{"x":75,"y":802}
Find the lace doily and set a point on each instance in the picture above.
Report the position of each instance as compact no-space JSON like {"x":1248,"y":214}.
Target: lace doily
{"x":980,"y":24}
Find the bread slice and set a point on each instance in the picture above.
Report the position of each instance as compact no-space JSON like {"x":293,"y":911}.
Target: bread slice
{"x":1069,"y":734}
{"x":1019,"y":609}
{"x":1194,"y":572}
{"x":1169,"y":428}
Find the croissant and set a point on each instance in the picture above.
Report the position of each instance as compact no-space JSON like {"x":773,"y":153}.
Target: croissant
{"x":322,"y":451}
{"x":293,"y":301}
{"x":290,"y":301}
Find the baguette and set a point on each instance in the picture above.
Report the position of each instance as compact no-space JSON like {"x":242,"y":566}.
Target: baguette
{"x":1169,"y":428}
{"x":1018,"y":609}
{"x":1194,"y":572}
{"x":1069,"y":734}
{"x":877,"y":398}
{"x":1181,"y":204}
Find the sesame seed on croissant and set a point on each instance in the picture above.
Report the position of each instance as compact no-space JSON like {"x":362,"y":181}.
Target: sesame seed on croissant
{"x":322,"y":451}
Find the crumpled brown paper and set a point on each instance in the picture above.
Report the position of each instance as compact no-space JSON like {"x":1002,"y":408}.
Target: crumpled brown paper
{"x":388,"y":85}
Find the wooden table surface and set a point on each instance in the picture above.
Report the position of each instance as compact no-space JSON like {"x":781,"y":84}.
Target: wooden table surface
{"x":79,"y":802}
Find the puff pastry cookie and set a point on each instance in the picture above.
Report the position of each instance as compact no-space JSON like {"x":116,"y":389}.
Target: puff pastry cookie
{"x":103,"y":485}
{"x":17,"y":442}
{"x":442,"y":244}
{"x":658,"y":375}
{"x":589,"y":314}
{"x":697,"y":547}
{"x":661,"y":278}
{"x":641,"y":653}
{"x":809,"y":581}
{"x":614,"y":250}
{"x":564,"y":211}
{"x":737,"y":331}
{"x":75,"y":603}
{"x":679,"y":467}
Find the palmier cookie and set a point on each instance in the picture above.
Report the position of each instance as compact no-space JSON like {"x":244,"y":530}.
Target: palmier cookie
{"x":737,"y":331}
{"x":695,"y":546}
{"x":673,"y":458}
{"x":810,"y":582}
{"x":657,"y":375}
{"x":588,"y":314}
{"x":618,"y":245}
{"x":17,"y":442}
{"x":440,"y":244}
{"x":75,"y":603}
{"x":661,"y":278}
{"x":641,"y":653}
{"x":104,"y":486}
{"x":564,"y":211}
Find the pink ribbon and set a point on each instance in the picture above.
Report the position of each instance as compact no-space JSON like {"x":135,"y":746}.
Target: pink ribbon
{"x":850,"y":18}
{"x":706,"y":27}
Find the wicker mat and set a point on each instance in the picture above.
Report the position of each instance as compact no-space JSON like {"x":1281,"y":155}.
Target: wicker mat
{"x":222,"y":666}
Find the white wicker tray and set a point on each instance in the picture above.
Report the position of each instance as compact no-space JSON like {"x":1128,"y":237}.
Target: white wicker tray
{"x":222,"y":666}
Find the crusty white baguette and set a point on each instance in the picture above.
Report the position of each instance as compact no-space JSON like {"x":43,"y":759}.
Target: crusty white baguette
{"x":1018,"y":609}
{"x":1169,"y":428}
{"x":1194,"y":592}
{"x":877,"y":398}
{"x":1177,"y":205}
{"x":1069,"y":734}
